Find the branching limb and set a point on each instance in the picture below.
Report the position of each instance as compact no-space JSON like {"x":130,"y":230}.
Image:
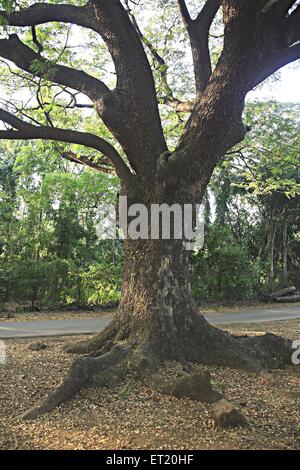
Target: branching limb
{"x":41,"y":13}
{"x":35,"y":40}
{"x":178,"y":105}
{"x":186,"y":17}
{"x":255,"y":47}
{"x":26,"y":59}
{"x":131,"y":112}
{"x":139,"y":128}
{"x":198,"y":30}
{"x":168,"y":96}
{"x":88,"y":161}
{"x":26,"y":131}
{"x":293,"y":27}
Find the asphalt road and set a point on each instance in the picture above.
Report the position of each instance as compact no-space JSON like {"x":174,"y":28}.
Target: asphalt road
{"x":95,"y":325}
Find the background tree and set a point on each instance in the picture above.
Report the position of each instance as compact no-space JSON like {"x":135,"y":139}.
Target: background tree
{"x":50,"y":253}
{"x":157,"y":318}
{"x":256,"y":190}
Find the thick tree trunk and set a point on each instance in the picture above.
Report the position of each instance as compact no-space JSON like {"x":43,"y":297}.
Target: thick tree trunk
{"x":156,"y":295}
{"x":158,"y":313}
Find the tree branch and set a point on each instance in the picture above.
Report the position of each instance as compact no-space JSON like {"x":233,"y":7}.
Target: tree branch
{"x":178,"y":105}
{"x":26,"y":59}
{"x":162,"y":67}
{"x":186,"y":17}
{"x":255,"y":47}
{"x":131,"y":112}
{"x":139,"y":127}
{"x":84,"y":160}
{"x":41,"y":13}
{"x":26,"y":131}
{"x":198,"y":31}
{"x":293,"y":27}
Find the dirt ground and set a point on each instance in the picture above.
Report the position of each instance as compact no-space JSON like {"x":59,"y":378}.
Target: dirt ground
{"x":132,"y":416}
{"x":52,"y":315}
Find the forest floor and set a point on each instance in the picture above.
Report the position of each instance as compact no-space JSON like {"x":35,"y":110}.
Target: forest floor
{"x":237,"y":306}
{"x":131,"y":416}
{"x":53,"y":315}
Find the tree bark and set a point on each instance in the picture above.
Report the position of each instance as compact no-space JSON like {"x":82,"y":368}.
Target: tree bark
{"x":285,"y":249}
{"x":156,"y":298}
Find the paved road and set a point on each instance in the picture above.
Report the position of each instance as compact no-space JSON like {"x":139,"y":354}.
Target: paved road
{"x":94,"y":325}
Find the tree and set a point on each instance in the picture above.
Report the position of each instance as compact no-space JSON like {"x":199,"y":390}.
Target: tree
{"x":158,"y":319}
{"x":265,"y":170}
{"x":49,"y":250}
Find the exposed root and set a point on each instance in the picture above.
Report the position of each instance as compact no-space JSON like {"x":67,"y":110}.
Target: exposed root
{"x":80,"y":373}
{"x":110,"y":357}
{"x":208,"y":345}
{"x":198,"y":341}
{"x":96,"y":343}
{"x":196,"y":386}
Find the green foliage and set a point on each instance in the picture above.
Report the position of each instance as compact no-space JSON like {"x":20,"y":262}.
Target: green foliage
{"x":44,"y":69}
{"x":222,"y":269}
{"x":256,"y":192}
{"x":8,"y":5}
{"x":49,"y":250}
{"x":102,"y":283}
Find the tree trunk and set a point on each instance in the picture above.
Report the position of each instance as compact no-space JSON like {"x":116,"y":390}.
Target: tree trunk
{"x":285,"y":249}
{"x":157,"y":315}
{"x":272,"y":247}
{"x":156,"y":295}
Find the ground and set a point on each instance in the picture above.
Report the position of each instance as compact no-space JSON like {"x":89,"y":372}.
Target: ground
{"x":52,"y":315}
{"x":132,"y":416}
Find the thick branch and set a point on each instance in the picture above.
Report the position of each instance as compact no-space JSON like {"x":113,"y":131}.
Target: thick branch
{"x":40,"y":13}
{"x":26,"y":131}
{"x":186,"y":17}
{"x":198,"y":31}
{"x":208,"y":13}
{"x":255,"y":47}
{"x":178,"y":105}
{"x":26,"y":59}
{"x":88,"y":161}
{"x":168,"y":97}
{"x":293,"y":27}
{"x":139,"y":127}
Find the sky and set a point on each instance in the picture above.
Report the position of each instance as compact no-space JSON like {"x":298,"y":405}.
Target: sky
{"x":285,"y":89}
